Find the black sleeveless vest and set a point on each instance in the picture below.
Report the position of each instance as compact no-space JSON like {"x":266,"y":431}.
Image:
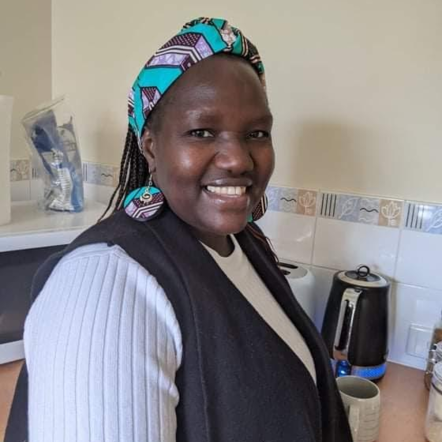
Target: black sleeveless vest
{"x":238,"y":381}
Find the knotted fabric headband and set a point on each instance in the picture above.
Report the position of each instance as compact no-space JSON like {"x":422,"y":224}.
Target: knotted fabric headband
{"x":198,"y":39}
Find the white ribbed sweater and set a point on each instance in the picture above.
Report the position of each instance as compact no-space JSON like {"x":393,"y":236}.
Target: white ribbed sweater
{"x":103,"y":345}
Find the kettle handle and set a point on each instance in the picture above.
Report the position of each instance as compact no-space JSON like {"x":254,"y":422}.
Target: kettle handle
{"x":344,"y":329}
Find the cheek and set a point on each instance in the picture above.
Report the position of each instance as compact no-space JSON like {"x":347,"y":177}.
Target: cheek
{"x":265,"y":163}
{"x":180,"y":167}
{"x":187,"y":164}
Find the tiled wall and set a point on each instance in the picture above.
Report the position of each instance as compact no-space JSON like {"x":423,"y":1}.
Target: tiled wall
{"x":99,"y":181}
{"x":331,"y":231}
{"x":399,"y":239}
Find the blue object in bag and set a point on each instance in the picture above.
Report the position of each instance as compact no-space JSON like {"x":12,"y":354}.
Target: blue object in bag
{"x":57,"y":149}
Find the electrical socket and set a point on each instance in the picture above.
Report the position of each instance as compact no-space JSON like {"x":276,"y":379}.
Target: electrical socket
{"x":418,"y":342}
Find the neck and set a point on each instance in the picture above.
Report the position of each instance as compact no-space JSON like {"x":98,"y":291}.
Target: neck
{"x":222,"y":244}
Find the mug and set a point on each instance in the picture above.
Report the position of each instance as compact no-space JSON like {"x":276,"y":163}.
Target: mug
{"x":362,"y":402}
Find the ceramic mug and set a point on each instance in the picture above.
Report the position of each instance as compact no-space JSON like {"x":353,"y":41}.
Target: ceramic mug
{"x":362,"y":402}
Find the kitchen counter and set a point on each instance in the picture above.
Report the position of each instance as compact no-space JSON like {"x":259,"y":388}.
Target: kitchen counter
{"x":403,"y":396}
{"x":404,"y":401}
{"x":32,"y":228}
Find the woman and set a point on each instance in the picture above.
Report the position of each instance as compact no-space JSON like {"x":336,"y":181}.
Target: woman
{"x":169,"y":320}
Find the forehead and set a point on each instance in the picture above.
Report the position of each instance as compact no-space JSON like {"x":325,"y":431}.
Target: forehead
{"x":216,"y":81}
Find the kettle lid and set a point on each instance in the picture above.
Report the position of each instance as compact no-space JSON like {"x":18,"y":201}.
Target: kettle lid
{"x":363,"y":277}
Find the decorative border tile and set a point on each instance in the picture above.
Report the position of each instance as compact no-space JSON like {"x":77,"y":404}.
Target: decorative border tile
{"x":307,"y":202}
{"x":34,"y":173}
{"x":328,"y":205}
{"x":361,"y":209}
{"x":384,"y":212}
{"x":291,"y":200}
{"x":272,"y":193}
{"x":19,"y":170}
{"x":423,"y":217}
{"x":391,"y":212}
{"x":93,"y":173}
{"x":415,"y":215}
{"x":102,"y":174}
{"x":288,"y":199}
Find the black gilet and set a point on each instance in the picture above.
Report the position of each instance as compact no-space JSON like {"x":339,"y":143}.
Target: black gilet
{"x":238,"y":381}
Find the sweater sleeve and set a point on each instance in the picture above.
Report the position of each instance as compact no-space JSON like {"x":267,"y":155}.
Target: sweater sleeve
{"x":102,"y":346}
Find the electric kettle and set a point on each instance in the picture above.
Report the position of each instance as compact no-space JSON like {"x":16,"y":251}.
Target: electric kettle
{"x":355,"y":327}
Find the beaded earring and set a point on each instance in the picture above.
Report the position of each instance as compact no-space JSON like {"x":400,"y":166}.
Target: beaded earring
{"x":145,"y":202}
{"x":259,"y":210}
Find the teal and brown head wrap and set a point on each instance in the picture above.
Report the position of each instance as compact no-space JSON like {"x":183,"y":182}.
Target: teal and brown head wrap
{"x":199,"y":39}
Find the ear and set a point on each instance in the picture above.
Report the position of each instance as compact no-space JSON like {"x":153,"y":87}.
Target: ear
{"x":148,"y":146}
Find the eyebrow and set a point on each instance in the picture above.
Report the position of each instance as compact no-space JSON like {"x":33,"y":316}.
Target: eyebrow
{"x":264,"y":119}
{"x":210,"y":116}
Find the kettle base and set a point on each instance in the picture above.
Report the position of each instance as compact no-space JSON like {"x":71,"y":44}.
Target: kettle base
{"x":344,"y":368}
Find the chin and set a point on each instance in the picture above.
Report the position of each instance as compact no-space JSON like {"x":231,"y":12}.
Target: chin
{"x":229,"y":226}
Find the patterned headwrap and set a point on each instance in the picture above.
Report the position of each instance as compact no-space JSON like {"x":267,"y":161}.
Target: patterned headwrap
{"x":198,"y":40}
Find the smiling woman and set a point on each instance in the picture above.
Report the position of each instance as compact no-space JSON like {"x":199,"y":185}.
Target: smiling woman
{"x":212,"y":155}
{"x":169,"y":320}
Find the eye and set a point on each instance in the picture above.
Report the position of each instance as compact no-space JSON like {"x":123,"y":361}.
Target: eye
{"x":259,"y":134}
{"x":201,"y":133}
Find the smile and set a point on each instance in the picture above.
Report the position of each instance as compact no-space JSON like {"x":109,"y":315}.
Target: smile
{"x":227,"y":190}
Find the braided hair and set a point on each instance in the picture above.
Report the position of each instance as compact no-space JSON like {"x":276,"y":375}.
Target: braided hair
{"x":134,"y":168}
{"x":134,"y":172}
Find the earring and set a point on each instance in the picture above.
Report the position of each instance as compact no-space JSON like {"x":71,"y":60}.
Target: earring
{"x":144,"y":203}
{"x":260,"y":209}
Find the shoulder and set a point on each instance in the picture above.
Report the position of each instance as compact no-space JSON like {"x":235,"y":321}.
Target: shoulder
{"x":96,"y":262}
{"x":116,"y":227}
{"x":100,"y":338}
{"x":99,"y":250}
{"x":101,"y":287}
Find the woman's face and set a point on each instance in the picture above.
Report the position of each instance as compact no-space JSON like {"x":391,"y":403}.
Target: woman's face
{"x":211,"y":153}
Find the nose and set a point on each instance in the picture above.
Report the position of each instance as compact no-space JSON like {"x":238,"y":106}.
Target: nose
{"x":234,"y":156}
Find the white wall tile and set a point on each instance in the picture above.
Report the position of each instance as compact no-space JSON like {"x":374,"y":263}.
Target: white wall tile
{"x":291,"y":234}
{"x":93,"y":192}
{"x":323,"y":279}
{"x":420,"y":259}
{"x":36,"y":186}
{"x":411,"y":305}
{"x":20,"y":190}
{"x":344,"y":245}
{"x":96,"y":192}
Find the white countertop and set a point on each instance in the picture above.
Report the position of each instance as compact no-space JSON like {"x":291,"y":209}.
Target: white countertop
{"x":31,"y":227}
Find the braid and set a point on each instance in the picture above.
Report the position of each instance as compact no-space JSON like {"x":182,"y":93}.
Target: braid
{"x":268,"y":247}
{"x":134,"y":169}
{"x":134,"y":172}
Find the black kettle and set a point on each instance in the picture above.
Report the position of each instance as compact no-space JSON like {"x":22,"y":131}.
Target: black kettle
{"x":355,"y":327}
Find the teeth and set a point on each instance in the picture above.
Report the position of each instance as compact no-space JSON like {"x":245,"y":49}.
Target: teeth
{"x":230,"y":190}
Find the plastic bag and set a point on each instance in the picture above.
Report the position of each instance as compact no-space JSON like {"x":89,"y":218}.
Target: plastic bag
{"x":50,"y":132}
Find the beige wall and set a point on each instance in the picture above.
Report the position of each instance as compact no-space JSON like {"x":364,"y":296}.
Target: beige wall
{"x":25,"y":60}
{"x":356,"y":87}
